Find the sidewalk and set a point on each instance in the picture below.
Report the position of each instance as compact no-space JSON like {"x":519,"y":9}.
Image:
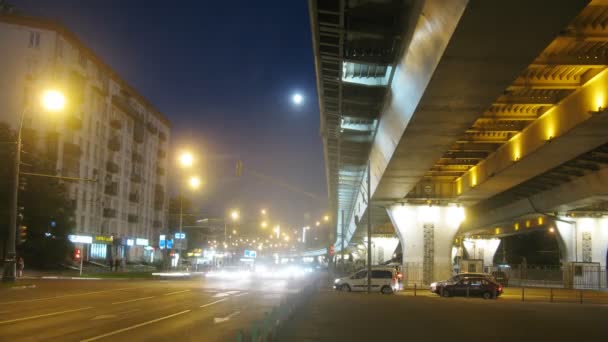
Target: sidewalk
{"x":336,"y":316}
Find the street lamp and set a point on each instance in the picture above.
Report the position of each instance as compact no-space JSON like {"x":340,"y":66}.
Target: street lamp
{"x":326,"y":218}
{"x":263,"y":212}
{"x":264,"y":224}
{"x":186,"y":159}
{"x":194,"y":182}
{"x":51,"y":101}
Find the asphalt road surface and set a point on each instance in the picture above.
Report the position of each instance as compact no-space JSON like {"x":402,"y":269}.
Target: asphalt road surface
{"x":124,"y":310}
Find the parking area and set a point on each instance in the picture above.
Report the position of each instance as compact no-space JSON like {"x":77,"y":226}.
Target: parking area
{"x":338,"y":316}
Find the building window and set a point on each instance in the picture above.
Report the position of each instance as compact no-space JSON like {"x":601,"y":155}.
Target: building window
{"x":34,"y":40}
{"x":98,"y":251}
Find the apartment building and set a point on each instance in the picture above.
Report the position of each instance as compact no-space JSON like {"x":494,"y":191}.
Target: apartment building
{"x":108,"y":133}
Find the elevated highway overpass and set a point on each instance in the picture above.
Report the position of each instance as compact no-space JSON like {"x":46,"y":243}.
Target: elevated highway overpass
{"x":464,"y":113}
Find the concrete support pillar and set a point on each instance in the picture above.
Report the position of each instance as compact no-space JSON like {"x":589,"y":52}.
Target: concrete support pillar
{"x":583,"y":240}
{"x":482,"y":249}
{"x":427,"y":236}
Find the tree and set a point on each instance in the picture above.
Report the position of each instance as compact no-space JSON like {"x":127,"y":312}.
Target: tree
{"x":48,"y":212}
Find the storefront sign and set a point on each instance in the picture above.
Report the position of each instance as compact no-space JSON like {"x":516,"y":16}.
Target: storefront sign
{"x":141,"y":242}
{"x":102,"y":238}
{"x":130,"y":242}
{"x":161,"y":241}
{"x":80,"y":239}
{"x":250,"y":254}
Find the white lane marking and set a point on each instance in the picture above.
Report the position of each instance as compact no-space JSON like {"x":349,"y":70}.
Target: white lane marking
{"x":221,"y":294}
{"x":134,"y":326}
{"x":64,"y":296}
{"x":241,"y":294}
{"x":132,"y":300}
{"x":232,"y":292}
{"x":128,"y":311}
{"x":224,"y":319}
{"x":209,"y":304}
{"x":176,"y":292}
{"x":102,"y":317}
{"x":44,"y":315}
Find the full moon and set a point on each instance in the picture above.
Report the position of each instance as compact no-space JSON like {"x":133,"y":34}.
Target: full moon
{"x":297,"y":99}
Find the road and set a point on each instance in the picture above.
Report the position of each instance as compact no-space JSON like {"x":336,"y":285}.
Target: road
{"x":123,"y":310}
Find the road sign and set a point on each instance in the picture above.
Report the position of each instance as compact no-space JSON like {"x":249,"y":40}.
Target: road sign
{"x":250,"y":254}
{"x":169,"y":244}
{"x":180,"y":236}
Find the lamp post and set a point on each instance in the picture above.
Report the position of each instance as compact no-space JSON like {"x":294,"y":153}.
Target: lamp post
{"x":52,"y":101}
{"x":186,"y":160}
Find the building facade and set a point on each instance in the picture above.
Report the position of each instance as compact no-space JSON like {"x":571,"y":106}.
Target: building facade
{"x":108,"y":133}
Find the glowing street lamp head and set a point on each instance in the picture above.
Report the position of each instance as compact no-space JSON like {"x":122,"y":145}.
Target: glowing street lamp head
{"x":234,"y":215}
{"x":264,"y":224}
{"x":326,"y":218}
{"x":186,"y":159}
{"x":53,"y":100}
{"x":263,"y":211}
{"x":318,"y":223}
{"x":297,"y":99}
{"x":194,"y":182}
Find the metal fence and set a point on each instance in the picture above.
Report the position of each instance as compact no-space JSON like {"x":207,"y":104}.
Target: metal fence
{"x":575,"y":276}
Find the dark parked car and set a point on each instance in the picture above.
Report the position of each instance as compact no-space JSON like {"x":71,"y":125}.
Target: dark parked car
{"x":468,"y":285}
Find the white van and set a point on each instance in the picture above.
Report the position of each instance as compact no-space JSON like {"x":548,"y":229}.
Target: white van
{"x":384,"y":279}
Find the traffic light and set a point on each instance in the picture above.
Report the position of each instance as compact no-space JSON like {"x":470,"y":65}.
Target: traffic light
{"x":20,"y":211}
{"x":22,"y":236}
{"x":77,"y":254}
{"x":239,"y":168}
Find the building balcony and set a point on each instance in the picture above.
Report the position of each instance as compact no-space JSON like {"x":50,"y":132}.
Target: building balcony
{"x":160,"y":171}
{"x":134,"y":197}
{"x":137,"y":157}
{"x":159,"y":197}
{"x":162,"y":136}
{"x":116,"y":124}
{"x":122,"y":102}
{"x":135,"y":177}
{"x":157,"y":224}
{"x":110,"y":213}
{"x":161,"y":154}
{"x":138,"y":133}
{"x":114,"y":144}
{"x":72,"y":150}
{"x":112,"y":167}
{"x":151,"y":128}
{"x":133,"y":218}
{"x":111,"y":189}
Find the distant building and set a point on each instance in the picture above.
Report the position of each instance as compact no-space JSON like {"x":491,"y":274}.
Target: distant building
{"x":108,"y":132}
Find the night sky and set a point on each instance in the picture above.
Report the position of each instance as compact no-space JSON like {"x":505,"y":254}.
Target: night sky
{"x":223,"y":72}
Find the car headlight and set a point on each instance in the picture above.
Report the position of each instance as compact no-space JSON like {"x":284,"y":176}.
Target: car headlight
{"x":337,"y":281}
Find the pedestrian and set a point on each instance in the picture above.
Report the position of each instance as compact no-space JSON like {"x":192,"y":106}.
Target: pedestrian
{"x":111,"y":264}
{"x":116,"y":264}
{"x":20,"y":267}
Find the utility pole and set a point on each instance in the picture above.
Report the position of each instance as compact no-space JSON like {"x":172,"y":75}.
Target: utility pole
{"x":369,"y":227}
{"x":342,"y":237}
